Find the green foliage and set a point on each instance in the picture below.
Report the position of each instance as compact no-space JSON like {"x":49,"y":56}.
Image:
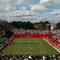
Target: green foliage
{"x":19,"y":24}
{"x":58,"y":25}
{"x":26,"y":25}
{"x":46,"y":22}
{"x":0,"y":26}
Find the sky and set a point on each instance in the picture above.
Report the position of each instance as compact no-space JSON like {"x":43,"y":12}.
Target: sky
{"x":30,"y":10}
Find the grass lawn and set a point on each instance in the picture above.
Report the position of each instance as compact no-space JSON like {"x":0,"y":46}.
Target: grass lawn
{"x":26,"y":46}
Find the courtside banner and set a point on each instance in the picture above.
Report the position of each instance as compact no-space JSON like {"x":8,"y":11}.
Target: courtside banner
{"x":32,"y":35}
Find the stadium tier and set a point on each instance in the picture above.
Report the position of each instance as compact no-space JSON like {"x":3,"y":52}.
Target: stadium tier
{"x":25,"y":43}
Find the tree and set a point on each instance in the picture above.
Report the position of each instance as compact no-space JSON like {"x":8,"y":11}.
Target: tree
{"x":58,"y":25}
{"x":19,"y":24}
{"x":47,"y":22}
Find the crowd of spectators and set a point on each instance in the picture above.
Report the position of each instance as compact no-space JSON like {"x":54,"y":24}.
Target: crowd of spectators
{"x":30,"y":31}
{"x":56,"y":37}
{"x":57,"y":33}
{"x":3,"y":39}
{"x":29,"y":57}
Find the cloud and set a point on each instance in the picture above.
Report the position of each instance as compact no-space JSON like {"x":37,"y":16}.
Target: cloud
{"x":9,"y":5}
{"x":55,"y":12}
{"x":43,"y":1}
{"x":5,"y":1}
{"x":52,"y":4}
{"x":22,"y":14}
{"x":38,"y":8}
{"x":10,"y":1}
{"x":18,"y":1}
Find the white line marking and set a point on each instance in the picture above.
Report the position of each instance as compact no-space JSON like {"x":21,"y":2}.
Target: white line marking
{"x":15,"y":48}
{"x":38,"y":47}
{"x":45,"y":49}
{"x":51,"y":45}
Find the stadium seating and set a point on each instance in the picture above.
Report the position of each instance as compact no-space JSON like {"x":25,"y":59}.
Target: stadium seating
{"x":52,"y":43}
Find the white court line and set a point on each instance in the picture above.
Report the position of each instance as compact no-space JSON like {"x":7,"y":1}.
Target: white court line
{"x":29,"y":46}
{"x":6,"y":50}
{"x":38,"y":47}
{"x":19,"y":48}
{"x":51,"y":45}
{"x":45,"y":50}
{"x":15,"y":48}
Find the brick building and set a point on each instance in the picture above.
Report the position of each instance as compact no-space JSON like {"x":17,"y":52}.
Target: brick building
{"x":40,"y":26}
{"x":43,"y":26}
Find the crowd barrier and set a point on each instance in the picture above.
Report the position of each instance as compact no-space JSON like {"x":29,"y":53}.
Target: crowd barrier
{"x":58,"y":42}
{"x":52,"y":43}
{"x":7,"y":43}
{"x":32,"y":35}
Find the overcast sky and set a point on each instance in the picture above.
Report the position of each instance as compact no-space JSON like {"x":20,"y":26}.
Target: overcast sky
{"x":30,"y":10}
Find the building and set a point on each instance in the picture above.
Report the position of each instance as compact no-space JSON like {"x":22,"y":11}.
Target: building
{"x":43,"y":26}
{"x":40,"y":26}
